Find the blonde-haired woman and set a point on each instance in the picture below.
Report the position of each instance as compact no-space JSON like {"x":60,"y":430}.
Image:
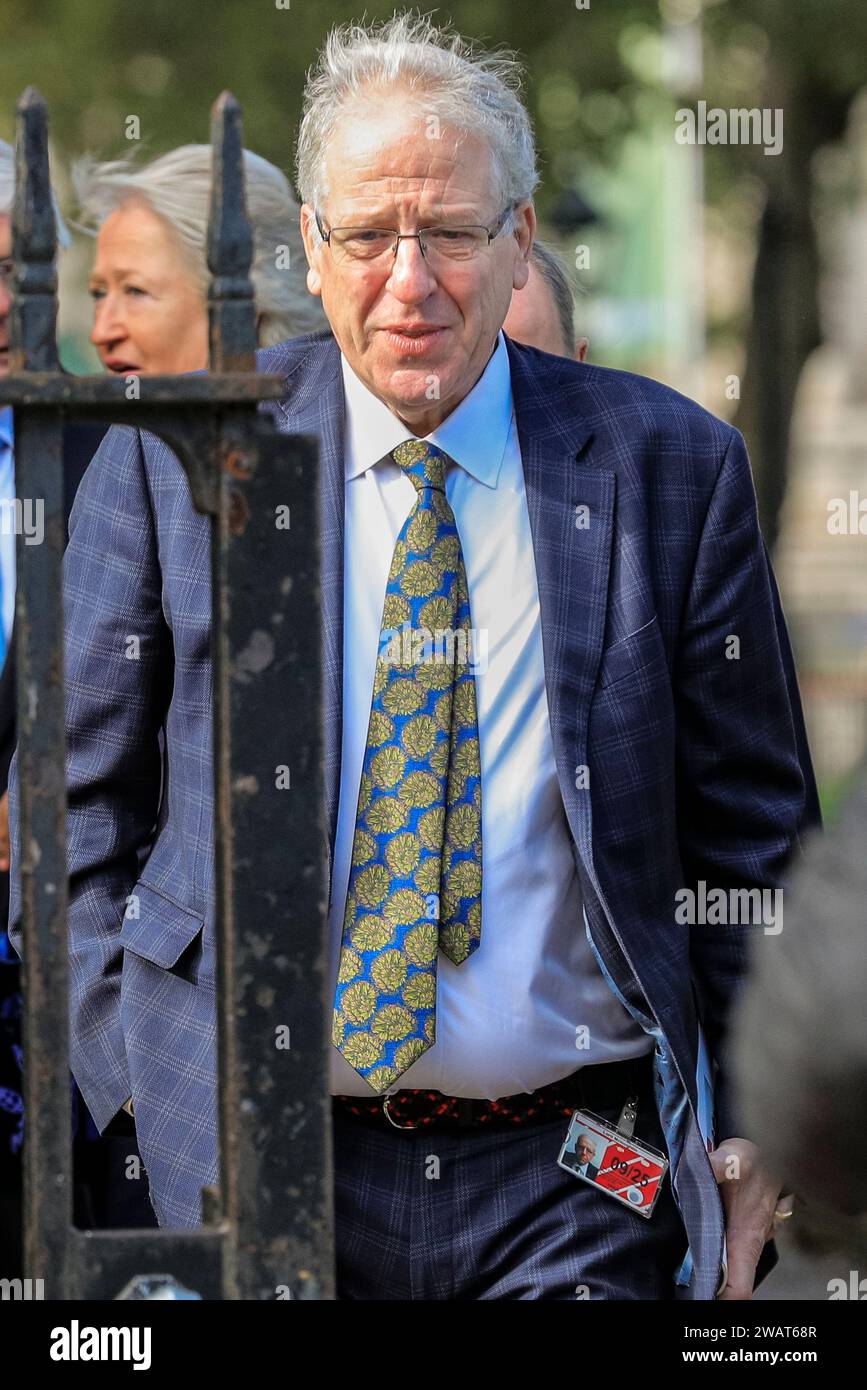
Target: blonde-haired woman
{"x":149,"y":280}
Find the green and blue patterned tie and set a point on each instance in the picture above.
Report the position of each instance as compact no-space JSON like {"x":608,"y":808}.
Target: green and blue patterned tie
{"x":416,"y":879}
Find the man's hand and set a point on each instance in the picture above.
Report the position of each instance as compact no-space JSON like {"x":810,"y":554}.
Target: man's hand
{"x":4,"y":833}
{"x":749,"y":1196}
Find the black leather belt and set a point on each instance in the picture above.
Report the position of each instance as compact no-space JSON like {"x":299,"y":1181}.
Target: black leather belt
{"x":600,"y":1087}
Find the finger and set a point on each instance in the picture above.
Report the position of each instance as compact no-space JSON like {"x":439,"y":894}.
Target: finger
{"x":743,"y":1256}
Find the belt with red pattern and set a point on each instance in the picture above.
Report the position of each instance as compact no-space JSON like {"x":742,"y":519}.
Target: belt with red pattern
{"x":599,"y":1087}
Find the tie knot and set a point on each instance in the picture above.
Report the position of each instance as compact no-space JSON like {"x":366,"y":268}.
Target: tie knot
{"x":423,"y":463}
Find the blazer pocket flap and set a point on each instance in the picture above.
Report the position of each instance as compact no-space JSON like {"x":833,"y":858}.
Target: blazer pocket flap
{"x":632,"y":654}
{"x":157,"y":928}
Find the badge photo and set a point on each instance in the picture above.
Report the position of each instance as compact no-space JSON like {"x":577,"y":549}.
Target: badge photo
{"x":619,"y":1166}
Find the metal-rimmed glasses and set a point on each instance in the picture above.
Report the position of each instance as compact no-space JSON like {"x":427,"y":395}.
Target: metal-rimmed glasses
{"x":458,"y":243}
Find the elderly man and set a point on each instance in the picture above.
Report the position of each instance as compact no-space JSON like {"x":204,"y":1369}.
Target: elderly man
{"x":508,"y":823}
{"x":585,"y":1152}
{"x":540,"y":314}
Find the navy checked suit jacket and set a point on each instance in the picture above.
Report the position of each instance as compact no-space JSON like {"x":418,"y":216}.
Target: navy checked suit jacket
{"x":698,"y":765}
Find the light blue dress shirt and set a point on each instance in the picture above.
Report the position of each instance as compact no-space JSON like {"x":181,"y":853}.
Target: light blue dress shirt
{"x":531,"y":1005}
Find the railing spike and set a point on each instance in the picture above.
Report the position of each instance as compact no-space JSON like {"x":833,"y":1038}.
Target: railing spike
{"x":230,"y":245}
{"x":34,"y":243}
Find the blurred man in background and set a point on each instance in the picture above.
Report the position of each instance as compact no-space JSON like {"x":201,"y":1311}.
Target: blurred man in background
{"x":800,"y":1051}
{"x":541,"y":314}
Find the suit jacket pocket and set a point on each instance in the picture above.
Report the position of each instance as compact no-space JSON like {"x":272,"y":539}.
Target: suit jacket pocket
{"x":641,"y":651}
{"x":159,"y":929}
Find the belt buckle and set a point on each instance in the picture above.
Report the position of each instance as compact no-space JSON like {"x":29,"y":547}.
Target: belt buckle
{"x":385,"y":1099}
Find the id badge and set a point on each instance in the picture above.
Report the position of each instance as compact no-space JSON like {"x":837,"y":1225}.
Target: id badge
{"x":615,"y":1163}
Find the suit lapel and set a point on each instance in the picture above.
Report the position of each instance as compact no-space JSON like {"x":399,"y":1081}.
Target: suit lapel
{"x":570,"y":500}
{"x":314,"y":405}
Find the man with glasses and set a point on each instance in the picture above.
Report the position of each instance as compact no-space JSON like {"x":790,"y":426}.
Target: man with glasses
{"x":533,"y":737}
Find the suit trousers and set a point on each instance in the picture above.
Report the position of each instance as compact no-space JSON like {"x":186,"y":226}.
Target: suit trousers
{"x":483,"y":1213}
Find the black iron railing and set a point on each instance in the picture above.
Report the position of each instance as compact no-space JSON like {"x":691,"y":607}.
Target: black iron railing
{"x":268,"y":1227}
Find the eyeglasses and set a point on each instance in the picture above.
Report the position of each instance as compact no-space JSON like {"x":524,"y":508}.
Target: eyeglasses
{"x":440,"y":242}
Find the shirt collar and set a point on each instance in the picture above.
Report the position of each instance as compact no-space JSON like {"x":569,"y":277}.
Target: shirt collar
{"x":6,"y":426}
{"x":475,"y":434}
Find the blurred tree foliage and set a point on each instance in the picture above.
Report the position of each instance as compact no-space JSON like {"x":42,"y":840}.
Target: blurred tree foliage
{"x":100,"y":61}
{"x":812,"y":62}
{"x":590,"y":75}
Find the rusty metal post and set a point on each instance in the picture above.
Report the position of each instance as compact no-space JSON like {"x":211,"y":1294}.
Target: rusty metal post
{"x":275,"y":1116}
{"x":40,"y":722}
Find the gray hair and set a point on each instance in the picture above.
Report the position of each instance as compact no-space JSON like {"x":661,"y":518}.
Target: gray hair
{"x":7,"y":193}
{"x":552,"y":268}
{"x":177,"y":187}
{"x":442,"y":74}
